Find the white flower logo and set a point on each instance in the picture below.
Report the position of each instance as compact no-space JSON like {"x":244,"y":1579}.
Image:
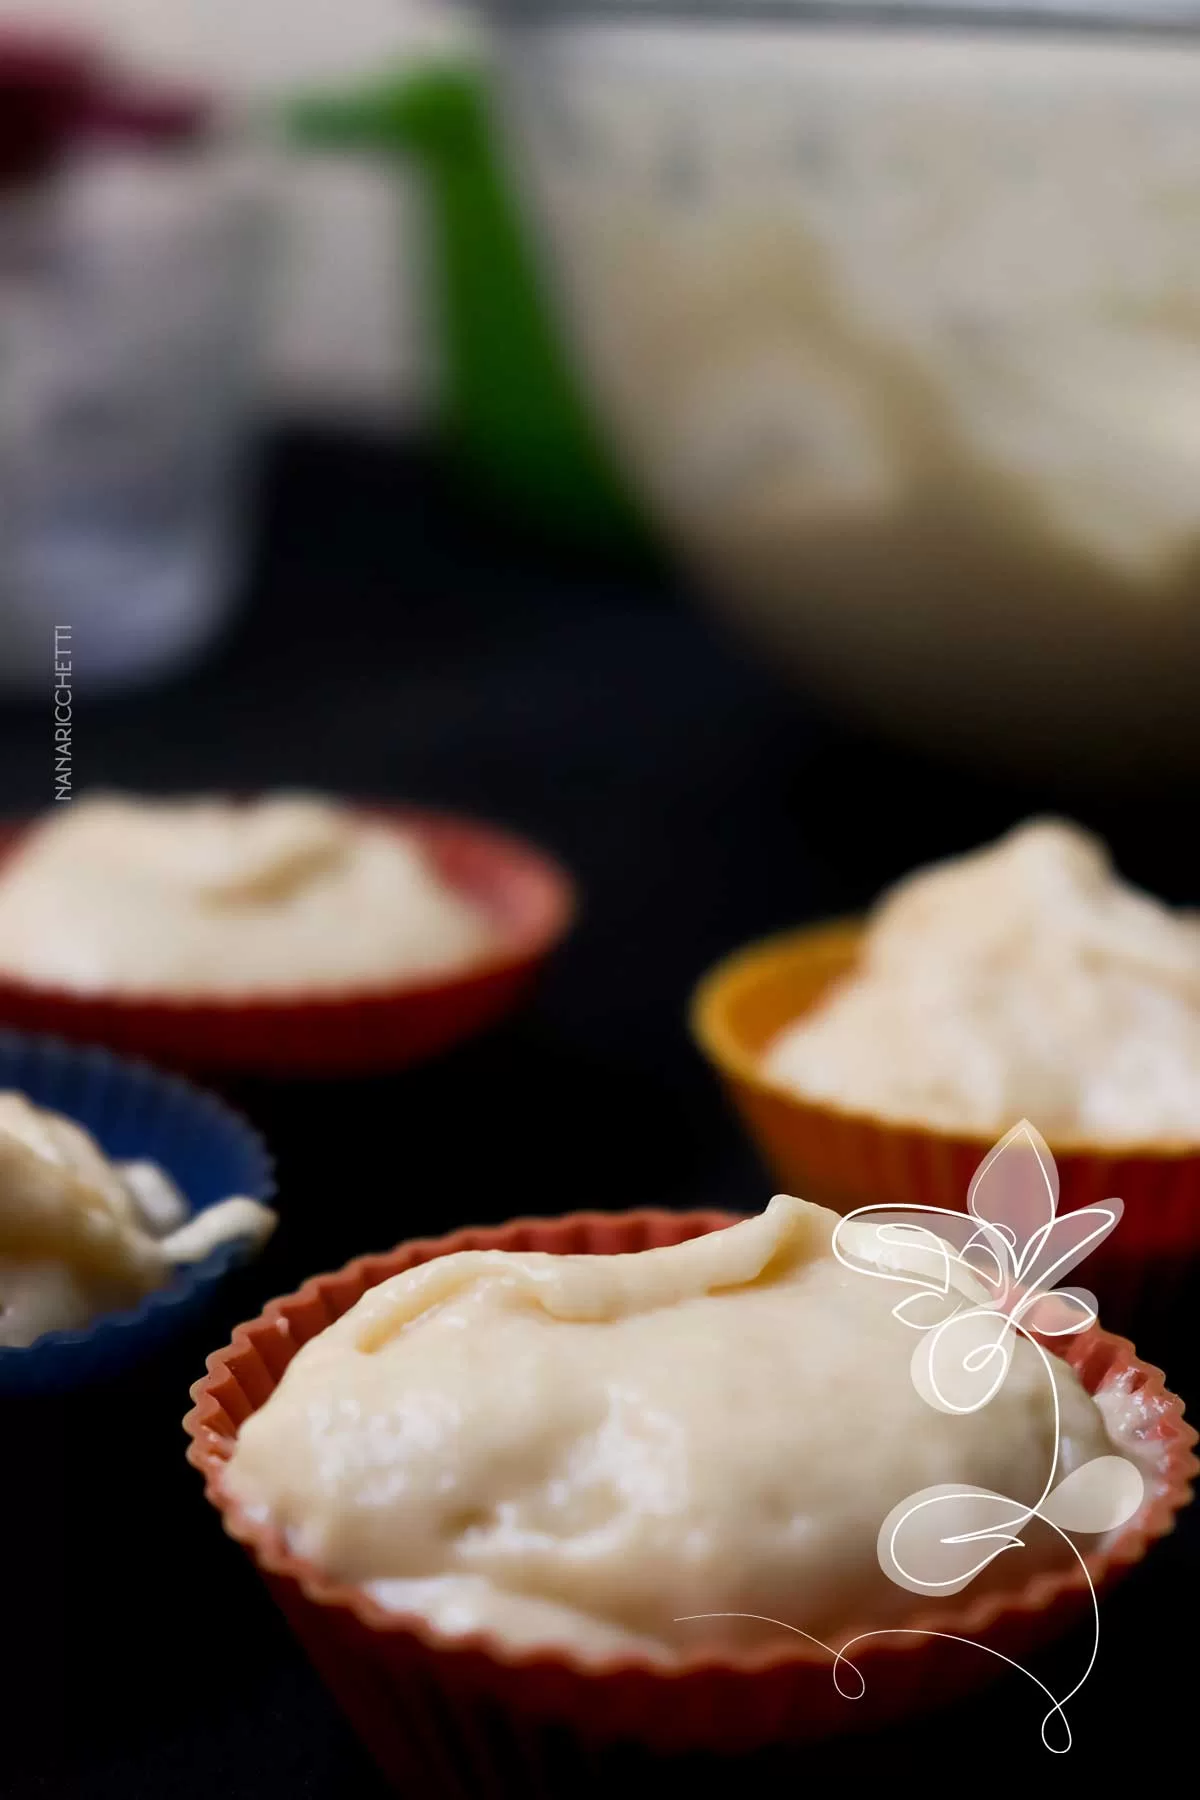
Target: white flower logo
{"x":976,"y":1283}
{"x":984,"y":1277}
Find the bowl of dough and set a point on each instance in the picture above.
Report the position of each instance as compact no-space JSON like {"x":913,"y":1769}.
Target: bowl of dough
{"x":893,"y":313}
{"x":126,"y":1198}
{"x":281,"y":935}
{"x":877,"y":1058}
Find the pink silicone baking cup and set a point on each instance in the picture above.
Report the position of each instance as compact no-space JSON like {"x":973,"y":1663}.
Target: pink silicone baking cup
{"x":470,"y":1717}
{"x":528,"y":897}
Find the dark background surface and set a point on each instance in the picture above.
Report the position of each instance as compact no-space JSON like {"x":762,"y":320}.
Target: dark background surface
{"x":398,"y":644}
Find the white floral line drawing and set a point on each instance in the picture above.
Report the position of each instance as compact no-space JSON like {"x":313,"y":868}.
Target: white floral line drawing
{"x":984,"y":1278}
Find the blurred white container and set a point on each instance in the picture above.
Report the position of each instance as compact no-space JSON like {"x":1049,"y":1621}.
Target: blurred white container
{"x":128,"y":401}
{"x":895,"y":314}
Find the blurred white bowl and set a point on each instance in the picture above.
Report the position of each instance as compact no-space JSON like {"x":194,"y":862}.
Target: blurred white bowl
{"x":899,"y":328}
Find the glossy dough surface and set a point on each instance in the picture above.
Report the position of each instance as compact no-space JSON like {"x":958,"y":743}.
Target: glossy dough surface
{"x":211,"y":897}
{"x":581,"y":1450}
{"x":1022,"y":981}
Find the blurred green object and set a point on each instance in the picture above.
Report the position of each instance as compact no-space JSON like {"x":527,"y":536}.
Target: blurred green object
{"x":513,"y":413}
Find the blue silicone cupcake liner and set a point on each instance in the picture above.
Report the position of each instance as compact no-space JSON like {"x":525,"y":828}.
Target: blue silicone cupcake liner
{"x":134,"y":1112}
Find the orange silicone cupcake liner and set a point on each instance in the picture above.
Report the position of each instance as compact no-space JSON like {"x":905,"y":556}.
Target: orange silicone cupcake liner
{"x":843,"y":1159}
{"x":530,"y":899}
{"x":471,"y":1717}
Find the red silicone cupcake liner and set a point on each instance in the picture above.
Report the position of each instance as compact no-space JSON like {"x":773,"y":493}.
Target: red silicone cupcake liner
{"x":470,"y":1717}
{"x":845,"y":1159}
{"x":529,"y":898}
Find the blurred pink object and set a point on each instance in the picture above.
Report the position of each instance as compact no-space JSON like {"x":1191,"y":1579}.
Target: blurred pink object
{"x":43,"y":84}
{"x":54,"y":92}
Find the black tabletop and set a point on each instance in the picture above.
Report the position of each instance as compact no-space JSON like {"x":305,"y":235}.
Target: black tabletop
{"x":396,"y":643}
